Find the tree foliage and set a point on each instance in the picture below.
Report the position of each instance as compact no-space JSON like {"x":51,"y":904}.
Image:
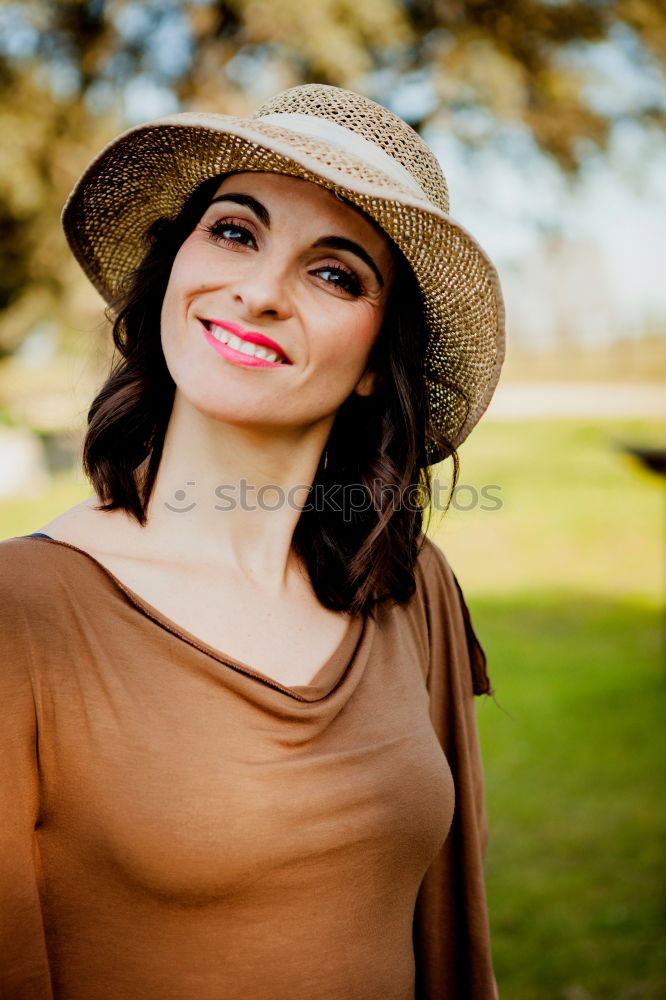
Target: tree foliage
{"x":74,"y":72}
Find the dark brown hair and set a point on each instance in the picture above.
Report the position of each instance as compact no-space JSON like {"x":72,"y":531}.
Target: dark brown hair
{"x":357,"y":554}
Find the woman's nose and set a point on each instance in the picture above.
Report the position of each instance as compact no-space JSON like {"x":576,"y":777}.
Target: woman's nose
{"x":264,"y":290}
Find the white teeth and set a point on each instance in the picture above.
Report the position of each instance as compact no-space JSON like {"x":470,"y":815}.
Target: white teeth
{"x":265,"y":354}
{"x":244,"y":346}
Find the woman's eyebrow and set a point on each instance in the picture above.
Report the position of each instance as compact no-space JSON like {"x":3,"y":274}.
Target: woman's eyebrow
{"x":340,"y":243}
{"x":247,"y":201}
{"x":326,"y":243}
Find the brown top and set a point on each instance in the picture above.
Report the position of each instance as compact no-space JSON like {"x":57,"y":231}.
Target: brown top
{"x":177,"y":825}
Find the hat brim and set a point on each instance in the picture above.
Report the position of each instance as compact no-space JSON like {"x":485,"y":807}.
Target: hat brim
{"x":149,"y":171}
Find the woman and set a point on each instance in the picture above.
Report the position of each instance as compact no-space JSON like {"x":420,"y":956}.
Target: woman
{"x":241,"y":749}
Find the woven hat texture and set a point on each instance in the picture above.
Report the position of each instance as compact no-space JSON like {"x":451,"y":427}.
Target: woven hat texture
{"x":348,"y":144}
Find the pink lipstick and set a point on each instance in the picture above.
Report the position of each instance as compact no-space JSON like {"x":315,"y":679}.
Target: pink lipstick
{"x":232,"y":351}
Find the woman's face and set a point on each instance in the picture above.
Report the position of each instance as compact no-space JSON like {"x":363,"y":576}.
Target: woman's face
{"x":279,"y":266}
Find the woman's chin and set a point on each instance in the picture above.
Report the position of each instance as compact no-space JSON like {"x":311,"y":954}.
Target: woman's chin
{"x":253,"y":411}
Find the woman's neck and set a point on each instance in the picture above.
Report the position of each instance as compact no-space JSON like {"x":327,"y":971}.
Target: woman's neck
{"x":232,"y":495}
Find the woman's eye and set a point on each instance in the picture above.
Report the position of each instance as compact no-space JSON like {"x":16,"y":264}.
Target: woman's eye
{"x":231,"y":232}
{"x":340,"y":278}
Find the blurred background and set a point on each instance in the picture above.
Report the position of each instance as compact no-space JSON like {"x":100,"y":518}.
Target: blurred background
{"x":548,"y":118}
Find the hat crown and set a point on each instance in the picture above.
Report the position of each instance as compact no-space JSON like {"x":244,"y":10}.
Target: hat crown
{"x":373,"y":123}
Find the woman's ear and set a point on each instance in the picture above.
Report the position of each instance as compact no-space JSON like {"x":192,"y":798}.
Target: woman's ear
{"x":367,"y":383}
{"x":373,"y":376}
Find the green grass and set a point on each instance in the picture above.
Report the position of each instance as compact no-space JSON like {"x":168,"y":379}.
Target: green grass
{"x":577,"y":512}
{"x":573,"y":752}
{"x":564,"y":583}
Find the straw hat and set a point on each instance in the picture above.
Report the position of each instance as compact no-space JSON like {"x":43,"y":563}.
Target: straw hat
{"x":346,"y":143}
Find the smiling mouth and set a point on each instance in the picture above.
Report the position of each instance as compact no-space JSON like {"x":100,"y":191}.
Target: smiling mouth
{"x":246,"y":344}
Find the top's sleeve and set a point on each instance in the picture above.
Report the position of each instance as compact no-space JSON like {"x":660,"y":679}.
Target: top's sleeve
{"x":24,"y":968}
{"x":451,"y":931}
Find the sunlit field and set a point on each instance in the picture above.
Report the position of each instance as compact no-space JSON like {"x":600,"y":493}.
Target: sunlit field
{"x":577,"y":513}
{"x":564,"y":579}
{"x":565,"y":586}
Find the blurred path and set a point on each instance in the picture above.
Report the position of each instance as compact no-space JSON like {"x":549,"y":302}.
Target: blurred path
{"x":514,"y":400}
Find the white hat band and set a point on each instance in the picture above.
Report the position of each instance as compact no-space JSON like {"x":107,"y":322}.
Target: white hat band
{"x":351,"y":142}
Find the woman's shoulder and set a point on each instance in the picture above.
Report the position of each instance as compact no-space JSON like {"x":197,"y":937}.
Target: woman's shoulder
{"x":33,"y":568}
{"x":27,"y":600}
{"x":433,"y":573}
{"x":430,"y":552}
{"x":31,"y":576}
{"x":49,"y":592}
{"x":20,"y":557}
{"x":448,"y":618}
{"x":81,"y":529}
